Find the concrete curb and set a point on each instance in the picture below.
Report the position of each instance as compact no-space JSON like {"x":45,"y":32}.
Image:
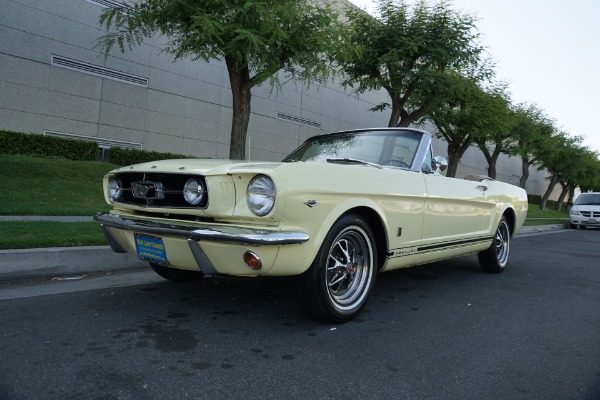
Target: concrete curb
{"x":527,"y":230}
{"x":21,"y":264}
{"x":60,"y":261}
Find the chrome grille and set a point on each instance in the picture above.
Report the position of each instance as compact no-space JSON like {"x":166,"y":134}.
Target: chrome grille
{"x":590,"y":214}
{"x":156,"y":190}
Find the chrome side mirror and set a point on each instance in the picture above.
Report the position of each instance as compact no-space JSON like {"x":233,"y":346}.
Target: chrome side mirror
{"x":439,"y":164}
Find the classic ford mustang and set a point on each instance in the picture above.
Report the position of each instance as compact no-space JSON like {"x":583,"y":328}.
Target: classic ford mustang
{"x":338,"y":210}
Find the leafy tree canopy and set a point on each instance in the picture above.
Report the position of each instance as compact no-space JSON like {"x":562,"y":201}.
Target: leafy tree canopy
{"x":473,"y":115}
{"x":409,"y":51}
{"x":255,"y":38}
{"x":497,"y":137}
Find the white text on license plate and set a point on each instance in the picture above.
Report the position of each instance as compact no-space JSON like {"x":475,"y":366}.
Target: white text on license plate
{"x":150,"y":248}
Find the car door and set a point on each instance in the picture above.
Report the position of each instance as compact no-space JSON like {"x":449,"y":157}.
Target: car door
{"x":456,"y":211}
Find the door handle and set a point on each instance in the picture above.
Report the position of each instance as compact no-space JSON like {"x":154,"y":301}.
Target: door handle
{"x":481,"y":188}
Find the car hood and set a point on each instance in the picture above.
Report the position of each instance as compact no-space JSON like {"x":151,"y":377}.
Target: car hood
{"x":587,"y":207}
{"x":203,"y":166}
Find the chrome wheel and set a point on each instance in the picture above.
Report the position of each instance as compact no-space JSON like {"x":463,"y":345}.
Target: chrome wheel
{"x":337,"y":285}
{"x":495,"y":257}
{"x":502,"y":243}
{"x":349,"y":268}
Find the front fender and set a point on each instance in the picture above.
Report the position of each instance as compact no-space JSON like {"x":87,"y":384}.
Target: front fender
{"x":317,"y":222}
{"x":344,"y":208}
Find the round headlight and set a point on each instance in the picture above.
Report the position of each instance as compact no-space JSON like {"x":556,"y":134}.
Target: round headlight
{"x":193,"y":191}
{"x":260,"y":195}
{"x":114,"y":188}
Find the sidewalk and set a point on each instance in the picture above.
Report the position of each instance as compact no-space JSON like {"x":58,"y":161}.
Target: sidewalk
{"x":20,"y":264}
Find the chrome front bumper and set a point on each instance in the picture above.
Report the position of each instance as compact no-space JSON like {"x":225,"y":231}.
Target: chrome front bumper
{"x":194,"y":234}
{"x":251,"y":237}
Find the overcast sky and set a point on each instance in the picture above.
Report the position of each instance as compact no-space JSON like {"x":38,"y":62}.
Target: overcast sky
{"x":549,"y":52}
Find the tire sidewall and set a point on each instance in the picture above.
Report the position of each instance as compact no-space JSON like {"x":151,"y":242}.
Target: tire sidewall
{"x":488,"y":259}
{"x":344,"y":224}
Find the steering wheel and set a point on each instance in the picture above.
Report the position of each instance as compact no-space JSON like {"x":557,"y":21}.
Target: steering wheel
{"x":396,"y":162}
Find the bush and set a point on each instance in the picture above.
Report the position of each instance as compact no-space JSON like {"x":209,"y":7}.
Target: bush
{"x":534,"y":198}
{"x":30,"y":144}
{"x":121,"y":156}
{"x":15,"y":143}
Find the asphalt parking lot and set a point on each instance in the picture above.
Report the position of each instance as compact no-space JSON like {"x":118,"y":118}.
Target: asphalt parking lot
{"x":441,"y":331}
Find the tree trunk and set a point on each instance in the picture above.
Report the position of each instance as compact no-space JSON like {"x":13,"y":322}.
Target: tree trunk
{"x":405,"y":122}
{"x":492,"y":169}
{"x":456,"y":149}
{"x":239,"y":78}
{"x":488,"y":158}
{"x":525,"y":172}
{"x":571,"y":196}
{"x":563,"y":194}
{"x":453,"y":160}
{"x":494,"y":160}
{"x":553,"y":181}
{"x":395,"y":116}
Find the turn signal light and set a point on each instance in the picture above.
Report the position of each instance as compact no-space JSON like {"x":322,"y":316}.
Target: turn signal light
{"x":252,"y":261}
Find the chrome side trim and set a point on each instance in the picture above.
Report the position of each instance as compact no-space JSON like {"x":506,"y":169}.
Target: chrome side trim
{"x":252,"y":237}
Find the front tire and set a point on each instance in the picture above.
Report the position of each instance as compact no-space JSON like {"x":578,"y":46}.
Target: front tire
{"x":337,"y":285}
{"x":176,"y":275}
{"x":495,"y":258}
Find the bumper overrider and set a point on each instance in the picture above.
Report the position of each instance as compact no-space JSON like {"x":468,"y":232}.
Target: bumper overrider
{"x":194,"y":235}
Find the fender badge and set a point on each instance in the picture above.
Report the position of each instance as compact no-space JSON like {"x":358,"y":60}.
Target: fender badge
{"x":311,"y":203}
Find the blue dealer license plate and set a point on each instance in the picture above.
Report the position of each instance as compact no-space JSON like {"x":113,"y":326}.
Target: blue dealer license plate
{"x":151,"y":248}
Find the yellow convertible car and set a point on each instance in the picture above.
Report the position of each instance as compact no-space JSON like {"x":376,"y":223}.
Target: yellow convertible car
{"x":338,"y":210}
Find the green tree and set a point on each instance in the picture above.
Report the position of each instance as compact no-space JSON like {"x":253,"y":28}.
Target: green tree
{"x":580,"y":169}
{"x":530,"y":129}
{"x":590,"y":178}
{"x":255,"y":39}
{"x":409,"y":51}
{"x":471,"y":116}
{"x":498,"y":118}
{"x":556,"y":155}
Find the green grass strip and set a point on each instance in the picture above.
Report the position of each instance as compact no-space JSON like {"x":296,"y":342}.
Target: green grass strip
{"x":37,"y":234}
{"x":51,"y":186}
{"x":546,"y":217}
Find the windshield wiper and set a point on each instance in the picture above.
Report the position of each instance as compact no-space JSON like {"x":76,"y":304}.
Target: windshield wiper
{"x":353,"y":161}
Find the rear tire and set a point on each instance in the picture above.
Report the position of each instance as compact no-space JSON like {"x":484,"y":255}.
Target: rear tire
{"x":176,"y":275}
{"x":337,"y":285}
{"x":495,"y":258}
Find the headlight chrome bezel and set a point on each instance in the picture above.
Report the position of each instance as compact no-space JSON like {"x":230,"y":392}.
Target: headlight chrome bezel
{"x":114,"y":188}
{"x":194,"y":191}
{"x":261,"y":195}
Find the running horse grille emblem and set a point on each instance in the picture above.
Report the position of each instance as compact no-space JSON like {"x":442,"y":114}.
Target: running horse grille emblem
{"x":148,"y":190}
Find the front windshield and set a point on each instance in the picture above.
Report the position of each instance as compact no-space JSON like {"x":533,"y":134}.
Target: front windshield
{"x":588,"y":199}
{"x":385,"y":148}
